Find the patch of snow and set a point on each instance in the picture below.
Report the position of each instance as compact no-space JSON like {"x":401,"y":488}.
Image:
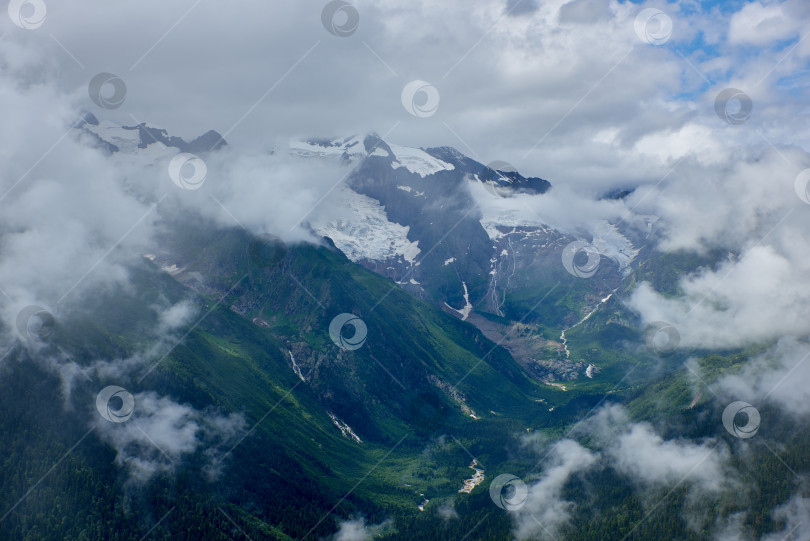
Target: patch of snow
{"x":612,"y":244}
{"x":465,"y":311}
{"x":503,"y":213}
{"x":366,"y":233}
{"x":350,"y":147}
{"x":173,"y":269}
{"x":295,"y":367}
{"x":380,"y":152}
{"x":411,"y":190}
{"x":260,"y":322}
{"x":345,"y":429}
{"x":127,"y":140}
{"x":492,"y":229}
{"x":417,"y":161}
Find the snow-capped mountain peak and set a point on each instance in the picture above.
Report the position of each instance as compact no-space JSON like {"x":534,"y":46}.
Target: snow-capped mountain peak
{"x":415,"y":160}
{"x":114,"y":138}
{"x":409,"y":214}
{"x":347,"y":148}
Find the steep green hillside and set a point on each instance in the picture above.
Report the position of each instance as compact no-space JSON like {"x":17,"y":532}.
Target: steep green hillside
{"x":397,"y":392}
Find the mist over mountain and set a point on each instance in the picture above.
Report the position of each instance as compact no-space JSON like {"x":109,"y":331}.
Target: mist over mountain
{"x":359,"y":270}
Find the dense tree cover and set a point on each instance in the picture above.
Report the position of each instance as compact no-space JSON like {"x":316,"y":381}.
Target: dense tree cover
{"x":296,"y":473}
{"x":266,"y":495}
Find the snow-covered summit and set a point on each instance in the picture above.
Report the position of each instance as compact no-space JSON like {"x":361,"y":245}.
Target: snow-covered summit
{"x":414,"y":160}
{"x":114,"y":138}
{"x":348,"y":148}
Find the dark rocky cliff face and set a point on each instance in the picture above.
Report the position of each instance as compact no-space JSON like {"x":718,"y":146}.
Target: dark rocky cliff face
{"x":442,"y":217}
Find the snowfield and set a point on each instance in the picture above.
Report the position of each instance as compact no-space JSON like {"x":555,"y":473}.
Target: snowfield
{"x":418,"y":161}
{"x":126,"y":140}
{"x":367,"y":233}
{"x":352,"y":147}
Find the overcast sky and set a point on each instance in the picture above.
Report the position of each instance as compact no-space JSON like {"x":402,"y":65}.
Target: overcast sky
{"x":592,"y":94}
{"x":563,"y":90}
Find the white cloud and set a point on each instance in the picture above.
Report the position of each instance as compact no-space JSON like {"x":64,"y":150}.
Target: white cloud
{"x":795,"y":515}
{"x":749,"y":210}
{"x":690,"y":140}
{"x":161,"y":431}
{"x":276,"y":193}
{"x":653,"y":465}
{"x":647,"y":459}
{"x":447,"y":511}
{"x":793,"y":518}
{"x":761,"y":24}
{"x":562,"y":208}
{"x":645,"y":456}
{"x":177,"y":315}
{"x":732,"y":529}
{"x":63,"y":208}
{"x":545,"y":510}
{"x":356,"y":529}
{"x":560,"y":73}
{"x":778,"y":376}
